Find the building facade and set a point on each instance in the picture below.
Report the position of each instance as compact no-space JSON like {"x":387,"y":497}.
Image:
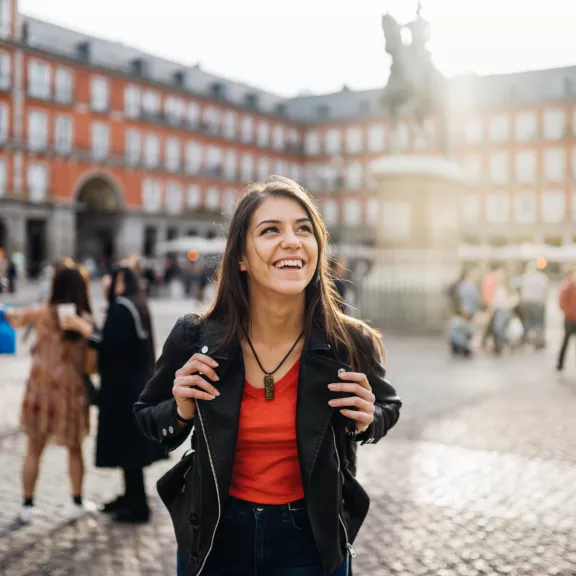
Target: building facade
{"x":106,"y":150}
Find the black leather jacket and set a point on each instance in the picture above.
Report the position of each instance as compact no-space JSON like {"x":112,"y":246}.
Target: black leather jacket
{"x":337,"y":504}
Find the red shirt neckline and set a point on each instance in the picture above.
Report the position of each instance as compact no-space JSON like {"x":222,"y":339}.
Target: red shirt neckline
{"x":252,"y":390}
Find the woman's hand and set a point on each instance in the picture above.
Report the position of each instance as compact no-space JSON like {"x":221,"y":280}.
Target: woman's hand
{"x":361,"y":398}
{"x":77,"y":324}
{"x":189,"y":384}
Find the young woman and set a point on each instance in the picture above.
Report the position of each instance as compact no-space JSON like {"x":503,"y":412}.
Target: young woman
{"x":55,"y":407}
{"x":125,"y":362}
{"x":279,"y":387}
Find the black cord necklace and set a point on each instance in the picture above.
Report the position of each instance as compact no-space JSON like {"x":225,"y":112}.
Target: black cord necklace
{"x":268,"y":380}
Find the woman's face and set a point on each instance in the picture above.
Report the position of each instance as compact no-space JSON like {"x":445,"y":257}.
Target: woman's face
{"x":120,"y":286}
{"x":281,"y":249}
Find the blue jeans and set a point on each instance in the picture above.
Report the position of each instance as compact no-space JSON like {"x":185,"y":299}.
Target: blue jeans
{"x":271,"y":541}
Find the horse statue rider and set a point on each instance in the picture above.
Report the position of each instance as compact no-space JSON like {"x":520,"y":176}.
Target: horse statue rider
{"x":415,"y":89}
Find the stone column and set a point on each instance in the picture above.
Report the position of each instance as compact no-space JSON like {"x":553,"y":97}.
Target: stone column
{"x":130,"y":239}
{"x":418,"y":233}
{"x":62,"y":232}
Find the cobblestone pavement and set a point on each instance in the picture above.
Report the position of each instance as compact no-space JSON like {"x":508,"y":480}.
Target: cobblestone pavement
{"x":478,"y":478}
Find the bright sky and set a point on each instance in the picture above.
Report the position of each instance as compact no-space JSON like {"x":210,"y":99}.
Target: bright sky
{"x":290,"y":46}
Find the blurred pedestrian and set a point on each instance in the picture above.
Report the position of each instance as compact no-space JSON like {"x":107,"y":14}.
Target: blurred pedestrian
{"x":466,"y":295}
{"x":567,"y":303}
{"x":126,"y":361}
{"x":461,"y":333}
{"x":55,"y":408}
{"x":504,"y":301}
{"x":533,"y":288}
{"x":279,"y":387}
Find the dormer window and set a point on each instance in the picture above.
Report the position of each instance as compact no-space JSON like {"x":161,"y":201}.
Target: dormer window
{"x":251,"y":100}
{"x":139,"y":67}
{"x":83,"y":50}
{"x":218,"y":91}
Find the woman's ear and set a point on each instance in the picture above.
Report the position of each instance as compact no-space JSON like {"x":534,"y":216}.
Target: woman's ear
{"x":242,"y":266}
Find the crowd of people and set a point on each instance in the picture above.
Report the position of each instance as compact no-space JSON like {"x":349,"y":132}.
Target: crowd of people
{"x":496,"y":309}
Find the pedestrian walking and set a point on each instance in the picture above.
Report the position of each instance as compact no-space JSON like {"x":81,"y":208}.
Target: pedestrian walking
{"x":278,"y":387}
{"x":461,"y":333}
{"x":533,"y":288}
{"x":125,"y":362}
{"x":55,"y":408}
{"x":567,"y":303}
{"x":503,"y":303}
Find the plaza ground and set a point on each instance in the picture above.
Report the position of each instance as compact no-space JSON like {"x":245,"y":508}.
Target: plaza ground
{"x":478,"y":478}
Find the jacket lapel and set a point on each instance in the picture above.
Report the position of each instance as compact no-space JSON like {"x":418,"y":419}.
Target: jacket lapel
{"x":318,"y":368}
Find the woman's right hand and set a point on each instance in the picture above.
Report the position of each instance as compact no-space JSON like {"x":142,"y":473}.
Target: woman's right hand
{"x":190,"y":385}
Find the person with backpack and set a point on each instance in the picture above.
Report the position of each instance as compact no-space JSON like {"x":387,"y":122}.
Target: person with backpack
{"x":567,"y":303}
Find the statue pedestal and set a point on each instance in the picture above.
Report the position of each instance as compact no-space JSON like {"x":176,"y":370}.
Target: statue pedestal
{"x":417,"y":241}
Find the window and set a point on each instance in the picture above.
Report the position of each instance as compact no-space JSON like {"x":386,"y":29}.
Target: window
{"x":230,"y":119}
{"x":526,"y":162}
{"x":4,"y":122}
{"x":247,"y":129}
{"x":296,"y":174}
{"x":280,"y":168}
{"x":333,"y":142}
{"x":402,"y":136}
{"x":151,"y":103}
{"x":372,"y":211}
{"x":526,"y":126}
{"x":230,"y":160}
{"x":247,"y":167}
{"x":193,"y":114}
{"x":172,"y":157}
{"x":474,"y":131}
{"x":396,"y":220}
{"x":5,"y":69}
{"x":37,"y":182}
{"x":151,"y":195}
{"x":498,"y":207}
{"x":312,"y":177}
{"x":173,"y":197}
{"x":63,"y":129}
{"x":3,"y":177}
{"x":472,"y":208}
{"x":555,"y":164}
{"x":193,"y":157}
{"x":263,"y":168}
{"x":293,"y":137}
{"x":354,"y":176}
{"x":99,"y":94}
{"x":376,"y":139}
{"x":330,"y":212}
{"x":229,"y":201}
{"x":553,"y":206}
{"x":554,"y":123}
{"x":499,"y":167}
{"x":499,"y":128}
{"x":353,"y":140}
{"x":278,"y":137}
{"x":5,"y":17}
{"x":100,"y":140}
{"x":151,"y":151}
{"x":312,"y":143}
{"x":38,"y":79}
{"x":132,"y":101}
{"x":133,"y":147}
{"x":525,"y":207}
{"x":263,"y":133}
{"x":352,"y":212}
{"x":473,"y":165}
{"x":37,"y":130}
{"x":193,"y":196}
{"x":174,"y":109}
{"x":63,"y":85}
{"x":212,"y":119}
{"x":212,"y":199}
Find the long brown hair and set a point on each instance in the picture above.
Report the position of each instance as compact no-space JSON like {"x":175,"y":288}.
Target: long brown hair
{"x":231,"y":305}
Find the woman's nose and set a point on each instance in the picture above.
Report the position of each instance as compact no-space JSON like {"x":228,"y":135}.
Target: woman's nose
{"x":291,"y":241}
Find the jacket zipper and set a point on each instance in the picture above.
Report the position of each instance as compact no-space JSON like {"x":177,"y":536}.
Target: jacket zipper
{"x":217,"y":490}
{"x":349,"y":548}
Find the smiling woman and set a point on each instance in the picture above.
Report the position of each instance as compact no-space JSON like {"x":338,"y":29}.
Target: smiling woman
{"x":279,"y":386}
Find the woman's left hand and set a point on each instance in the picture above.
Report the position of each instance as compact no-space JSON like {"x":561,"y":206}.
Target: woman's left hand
{"x":361,"y":398}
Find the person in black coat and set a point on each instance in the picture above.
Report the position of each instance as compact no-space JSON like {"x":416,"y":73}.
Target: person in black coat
{"x":125,"y":362}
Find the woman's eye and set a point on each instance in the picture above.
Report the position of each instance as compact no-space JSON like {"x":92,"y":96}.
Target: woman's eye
{"x":306,"y":228}
{"x":269,"y":229}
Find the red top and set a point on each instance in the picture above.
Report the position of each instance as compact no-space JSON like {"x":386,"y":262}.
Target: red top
{"x":266,"y":465}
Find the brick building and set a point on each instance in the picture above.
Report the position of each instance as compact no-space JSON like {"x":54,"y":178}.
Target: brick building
{"x":107,"y":150}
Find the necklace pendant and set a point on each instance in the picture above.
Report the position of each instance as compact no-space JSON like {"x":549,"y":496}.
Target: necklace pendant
{"x":269,"y":387}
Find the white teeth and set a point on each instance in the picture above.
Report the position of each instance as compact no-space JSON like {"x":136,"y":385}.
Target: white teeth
{"x":293,"y":263}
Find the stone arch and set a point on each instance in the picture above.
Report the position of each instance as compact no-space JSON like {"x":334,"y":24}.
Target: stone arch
{"x":99,"y":205}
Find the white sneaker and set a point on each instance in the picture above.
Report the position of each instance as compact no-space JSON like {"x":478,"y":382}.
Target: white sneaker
{"x":79,"y":510}
{"x":27,"y":513}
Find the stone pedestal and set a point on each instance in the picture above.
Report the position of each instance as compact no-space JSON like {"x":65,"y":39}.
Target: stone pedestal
{"x":418,"y":234}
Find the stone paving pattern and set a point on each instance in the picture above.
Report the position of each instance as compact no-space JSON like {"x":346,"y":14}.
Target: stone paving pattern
{"x":478,"y":478}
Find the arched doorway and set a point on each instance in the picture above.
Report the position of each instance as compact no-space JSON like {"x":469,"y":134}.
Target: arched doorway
{"x":98,"y":218}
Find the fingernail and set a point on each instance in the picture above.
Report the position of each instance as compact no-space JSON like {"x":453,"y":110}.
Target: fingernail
{"x":217,"y":377}
{"x":217,"y":393}
{"x":343,"y":373}
{"x":331,"y":402}
{"x":332,"y":386}
{"x":214,"y":363}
